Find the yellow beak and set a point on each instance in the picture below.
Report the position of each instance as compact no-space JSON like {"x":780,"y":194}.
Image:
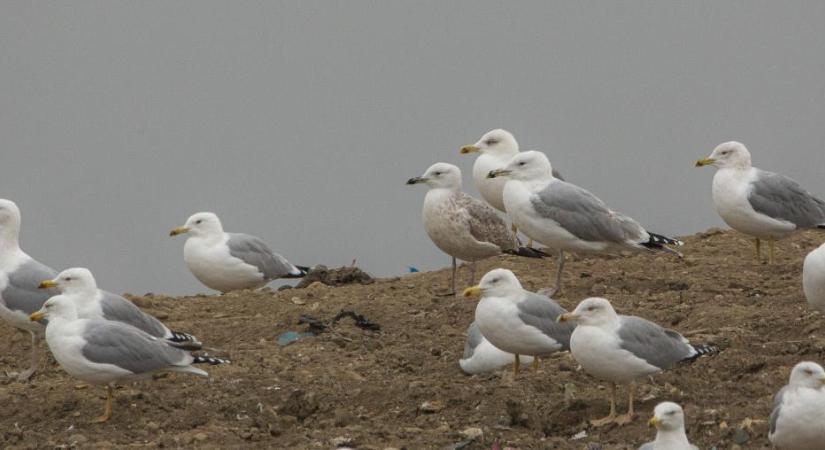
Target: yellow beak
{"x":568,"y":317}
{"x":498,"y":173}
{"x":705,"y":162}
{"x":179,"y":230}
{"x":469,"y":149}
{"x":46,"y":284}
{"x":36,"y":316}
{"x":472,"y":291}
{"x":654,"y":422}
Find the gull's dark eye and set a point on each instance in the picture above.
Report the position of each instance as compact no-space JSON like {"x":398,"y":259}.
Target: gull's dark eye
{"x":197,"y":222}
{"x":670,"y":413}
{"x":67,"y":279}
{"x":494,"y":280}
{"x":809,"y":371}
{"x":491,"y":141}
{"x":437,"y":173}
{"x":522,"y":163}
{"x":591,"y":308}
{"x":726,"y":152}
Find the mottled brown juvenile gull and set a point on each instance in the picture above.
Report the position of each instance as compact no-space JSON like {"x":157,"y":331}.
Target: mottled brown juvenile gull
{"x":104,"y":352}
{"x":796,"y":420}
{"x":230,"y":261}
{"x":669,"y":420}
{"x":78,"y":284}
{"x":759,"y":203}
{"x":19,"y":277}
{"x":566,"y":217}
{"x":480,"y":356}
{"x":622,"y":349}
{"x":460,"y":225}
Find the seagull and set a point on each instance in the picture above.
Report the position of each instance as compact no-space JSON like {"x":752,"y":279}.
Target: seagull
{"x":19,"y":277}
{"x":104,"y":352}
{"x":518,"y":321}
{"x":460,"y":225}
{"x":230,"y":261}
{"x":79,"y":285}
{"x":813,"y":278}
{"x":762,"y":204}
{"x":796,"y":420}
{"x":480,"y":356}
{"x":566,"y":217}
{"x":621,"y":349}
{"x":669,"y":420}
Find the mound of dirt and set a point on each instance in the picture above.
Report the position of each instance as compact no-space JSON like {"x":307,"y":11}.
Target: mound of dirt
{"x":401,"y":387}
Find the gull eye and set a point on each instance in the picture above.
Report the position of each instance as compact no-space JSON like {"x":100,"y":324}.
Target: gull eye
{"x":67,"y":278}
{"x":670,"y":413}
{"x":522,"y":163}
{"x":437,"y":173}
{"x":197,"y":222}
{"x":591,"y":308}
{"x":491,"y":141}
{"x":809,"y":371}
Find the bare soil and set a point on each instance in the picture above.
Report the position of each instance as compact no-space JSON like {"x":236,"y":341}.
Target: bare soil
{"x":366,"y":389}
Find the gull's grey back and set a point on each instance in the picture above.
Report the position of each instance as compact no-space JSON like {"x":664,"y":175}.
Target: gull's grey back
{"x":780,"y":197}
{"x":254,"y":251}
{"x":22,"y":293}
{"x":119,"y":309}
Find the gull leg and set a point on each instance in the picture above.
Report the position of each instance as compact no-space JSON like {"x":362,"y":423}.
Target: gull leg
{"x":559,"y":270}
{"x":530,"y":242}
{"x":35,"y":358}
{"x":535,"y":363}
{"x":107,"y":408}
{"x":514,"y":229}
{"x":771,"y":243}
{"x":612,"y":416}
{"x":627,"y":418}
{"x":758,"y":250}
{"x":452,"y":283}
{"x":516,"y":364}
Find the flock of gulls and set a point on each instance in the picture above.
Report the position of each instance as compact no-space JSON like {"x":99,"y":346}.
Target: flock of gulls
{"x":513,"y":325}
{"x":103,"y":338}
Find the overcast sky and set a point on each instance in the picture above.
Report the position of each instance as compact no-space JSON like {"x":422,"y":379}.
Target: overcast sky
{"x":300,"y":121}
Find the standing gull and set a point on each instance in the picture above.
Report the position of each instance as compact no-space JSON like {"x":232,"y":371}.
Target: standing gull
{"x":621,"y":349}
{"x":564,"y":216}
{"x":518,"y":321}
{"x":813,"y":278}
{"x":480,"y":356}
{"x":669,"y":420}
{"x":230,"y":261}
{"x":460,"y":225}
{"x":78,"y":284}
{"x":762,"y":204}
{"x":796,"y":420}
{"x":104,"y":352}
{"x":19,"y":277}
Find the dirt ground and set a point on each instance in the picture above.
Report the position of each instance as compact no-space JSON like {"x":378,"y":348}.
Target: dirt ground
{"x":365,"y":390}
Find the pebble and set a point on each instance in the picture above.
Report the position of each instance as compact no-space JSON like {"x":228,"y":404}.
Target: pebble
{"x":297,"y":301}
{"x":78,"y":439}
{"x":431,"y":406}
{"x":740,"y":436}
{"x":473,"y":433}
{"x":201,"y":437}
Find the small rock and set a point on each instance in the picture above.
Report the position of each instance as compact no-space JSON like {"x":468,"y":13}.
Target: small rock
{"x":297,"y":301}
{"x":201,"y":437}
{"x":78,"y":439}
{"x":740,"y":436}
{"x":152,"y":426}
{"x":598,"y":289}
{"x":473,"y":433}
{"x":431,"y":406}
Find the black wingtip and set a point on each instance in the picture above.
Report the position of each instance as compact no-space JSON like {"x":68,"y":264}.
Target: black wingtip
{"x":702,"y":350}
{"x":303,"y":269}
{"x":211,"y":360}
{"x":527,"y":252}
{"x":184,"y":341}
{"x":658,"y":242}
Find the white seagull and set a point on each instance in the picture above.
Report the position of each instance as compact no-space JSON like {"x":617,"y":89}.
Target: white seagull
{"x":669,"y":420}
{"x":78,"y":284}
{"x":460,"y":225}
{"x":19,"y":278}
{"x":518,"y":321}
{"x":796,"y":421}
{"x":480,"y":356}
{"x":622,"y":349}
{"x":230,"y":261}
{"x":564,"y":216}
{"x":104,"y":352}
{"x":813,"y":278}
{"x":759,"y":203}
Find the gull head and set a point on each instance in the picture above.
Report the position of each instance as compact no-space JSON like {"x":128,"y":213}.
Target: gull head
{"x":808,"y":374}
{"x":440,"y":175}
{"x":9,"y":217}
{"x":668,"y":416}
{"x":58,"y":306}
{"x":593,"y":311}
{"x":728,"y":155}
{"x":72,"y":281}
{"x":498,"y":141}
{"x":200,"y":224}
{"x":495,"y":283}
{"x":525,"y":166}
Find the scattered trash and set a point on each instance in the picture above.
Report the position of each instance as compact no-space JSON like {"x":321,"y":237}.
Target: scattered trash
{"x":580,"y":435}
{"x":317,"y":326}
{"x":292,"y":336}
{"x":413,"y":269}
{"x":335,"y":277}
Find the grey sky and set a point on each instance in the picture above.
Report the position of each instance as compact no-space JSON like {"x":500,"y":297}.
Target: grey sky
{"x":300,"y":121}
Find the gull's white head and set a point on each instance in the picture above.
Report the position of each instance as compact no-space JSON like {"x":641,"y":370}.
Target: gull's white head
{"x":9,"y":220}
{"x":593,"y":311}
{"x":495,"y":283}
{"x":808,"y":374}
{"x":498,"y":142}
{"x":440,"y":175}
{"x":668,"y":416}
{"x":200,"y":224}
{"x":57,"y":307}
{"x":525,"y":166}
{"x":72,"y":281}
{"x":728,"y":155}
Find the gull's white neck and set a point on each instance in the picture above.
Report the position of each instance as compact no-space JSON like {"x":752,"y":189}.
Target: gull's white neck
{"x":672,"y":439}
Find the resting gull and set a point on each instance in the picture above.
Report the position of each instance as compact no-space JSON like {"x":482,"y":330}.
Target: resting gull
{"x":518,"y":321}
{"x":19,"y":277}
{"x":480,"y":356}
{"x":796,"y":420}
{"x":78,"y":284}
{"x":564,"y":216}
{"x":762,"y":204}
{"x":230,"y":261}
{"x":813,"y":278}
{"x":104,"y":352}
{"x":621,"y":349}
{"x":460,"y":225}
{"x":669,"y":420}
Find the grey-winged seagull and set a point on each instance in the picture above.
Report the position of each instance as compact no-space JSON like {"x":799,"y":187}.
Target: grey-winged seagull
{"x":813,"y":278}
{"x":480,"y":356}
{"x":669,"y":420}
{"x":796,"y":419}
